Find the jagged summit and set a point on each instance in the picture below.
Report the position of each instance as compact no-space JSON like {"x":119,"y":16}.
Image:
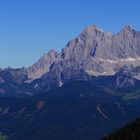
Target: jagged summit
{"x":52,"y":52}
{"x":128,"y":28}
{"x":93,"y":27}
{"x":91,"y":31}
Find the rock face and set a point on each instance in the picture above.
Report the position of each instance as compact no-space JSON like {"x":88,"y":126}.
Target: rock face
{"x":93,"y":53}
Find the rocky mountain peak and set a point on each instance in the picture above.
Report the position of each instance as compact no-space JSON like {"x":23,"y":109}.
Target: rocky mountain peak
{"x":128,"y":28}
{"x":52,"y":53}
{"x":127,"y":31}
{"x":93,"y":27}
{"x":92,"y":31}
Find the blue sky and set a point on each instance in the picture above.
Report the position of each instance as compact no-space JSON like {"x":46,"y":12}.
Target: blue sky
{"x":30,"y":28}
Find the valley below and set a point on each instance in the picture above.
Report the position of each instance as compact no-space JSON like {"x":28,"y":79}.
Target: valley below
{"x":77,"y":110}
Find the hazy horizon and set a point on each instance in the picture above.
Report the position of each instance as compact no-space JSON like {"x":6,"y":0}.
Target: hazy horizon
{"x":31,"y":28}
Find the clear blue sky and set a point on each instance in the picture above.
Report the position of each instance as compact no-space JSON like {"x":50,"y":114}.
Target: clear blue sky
{"x":29,"y":28}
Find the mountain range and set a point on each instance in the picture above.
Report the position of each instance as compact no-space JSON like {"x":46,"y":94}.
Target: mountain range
{"x":87,"y":90}
{"x":94,"y":53}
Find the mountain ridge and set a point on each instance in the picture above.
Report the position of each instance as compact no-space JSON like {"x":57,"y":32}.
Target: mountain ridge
{"x":94,"y":53}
